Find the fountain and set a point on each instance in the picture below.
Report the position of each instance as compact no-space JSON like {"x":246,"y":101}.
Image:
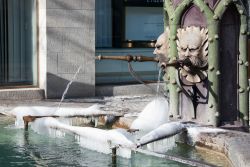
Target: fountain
{"x":195,"y":74}
{"x":204,"y":40}
{"x":199,"y":53}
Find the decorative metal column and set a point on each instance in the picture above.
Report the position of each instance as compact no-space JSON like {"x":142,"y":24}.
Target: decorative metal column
{"x":213,"y":17}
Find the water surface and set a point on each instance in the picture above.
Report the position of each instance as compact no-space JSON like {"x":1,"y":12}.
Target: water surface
{"x":20,"y":148}
{"x":27,"y":148}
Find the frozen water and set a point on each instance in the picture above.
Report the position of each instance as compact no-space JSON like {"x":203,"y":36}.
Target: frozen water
{"x":163,"y":131}
{"x":92,"y":110}
{"x":193,"y":133}
{"x":154,"y":119}
{"x":19,"y":112}
{"x":162,"y":146}
{"x":92,"y":138}
{"x":152,"y":116}
{"x":167,"y":132}
{"x":49,"y":126}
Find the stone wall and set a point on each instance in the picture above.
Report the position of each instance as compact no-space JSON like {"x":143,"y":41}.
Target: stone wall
{"x":70,"y":44}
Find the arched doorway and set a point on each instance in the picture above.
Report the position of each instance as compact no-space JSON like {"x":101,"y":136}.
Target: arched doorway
{"x":228,"y":64}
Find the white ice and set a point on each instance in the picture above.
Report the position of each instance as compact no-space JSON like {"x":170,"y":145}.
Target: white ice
{"x":163,"y":145}
{"x":91,"y":138}
{"x":153,"y":115}
{"x":152,"y":119}
{"x":193,"y":133}
{"x":166,"y":132}
{"x":21,"y":111}
{"x":163,"y":131}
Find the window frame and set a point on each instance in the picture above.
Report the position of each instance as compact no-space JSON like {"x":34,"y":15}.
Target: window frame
{"x":35,"y":81}
{"x":118,"y":24}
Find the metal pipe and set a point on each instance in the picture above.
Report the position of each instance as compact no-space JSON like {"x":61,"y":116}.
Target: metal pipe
{"x":140,"y":58}
{"x":129,"y":58}
{"x":114,"y":155}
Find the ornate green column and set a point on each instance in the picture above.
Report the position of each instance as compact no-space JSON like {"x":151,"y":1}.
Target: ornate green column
{"x":213,"y":60}
{"x":174,"y":23}
{"x":243,"y":65}
{"x":213,"y":19}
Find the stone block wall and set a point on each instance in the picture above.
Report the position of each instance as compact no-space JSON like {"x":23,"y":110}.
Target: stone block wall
{"x":70,"y":45}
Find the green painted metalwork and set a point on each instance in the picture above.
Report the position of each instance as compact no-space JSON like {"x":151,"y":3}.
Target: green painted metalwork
{"x":174,"y":24}
{"x":213,"y":52}
{"x":213,"y":20}
{"x":243,"y":80}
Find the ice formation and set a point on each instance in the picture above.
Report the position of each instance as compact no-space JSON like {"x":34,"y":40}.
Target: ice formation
{"x":152,"y":116}
{"x":91,"y":138}
{"x":21,"y":111}
{"x":193,"y":133}
{"x":162,"y":138}
{"x":153,"y":119}
{"x":163,"y":145}
{"x":163,"y":131}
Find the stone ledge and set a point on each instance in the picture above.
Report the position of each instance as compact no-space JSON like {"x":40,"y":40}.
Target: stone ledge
{"x":235,"y":145}
{"x":22,"y":94}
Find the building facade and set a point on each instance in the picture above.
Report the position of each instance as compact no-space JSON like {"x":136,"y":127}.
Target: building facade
{"x":45,"y":42}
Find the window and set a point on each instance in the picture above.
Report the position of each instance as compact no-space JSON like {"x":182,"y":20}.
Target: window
{"x":18,"y":57}
{"x":137,"y":23}
{"x":127,"y":27}
{"x":128,"y":23}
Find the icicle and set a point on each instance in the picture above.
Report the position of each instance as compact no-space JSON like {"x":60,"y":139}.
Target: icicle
{"x":96,"y":121}
{"x":91,"y":138}
{"x":163,"y":145}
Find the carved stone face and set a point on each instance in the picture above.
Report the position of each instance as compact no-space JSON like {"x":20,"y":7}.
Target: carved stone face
{"x":161,"y":47}
{"x":192,"y":44}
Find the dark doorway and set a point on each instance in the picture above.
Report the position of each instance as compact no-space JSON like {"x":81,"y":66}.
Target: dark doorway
{"x":18,"y":43}
{"x":228,"y":63}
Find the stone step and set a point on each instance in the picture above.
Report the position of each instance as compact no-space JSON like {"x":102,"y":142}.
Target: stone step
{"x":22,"y":94}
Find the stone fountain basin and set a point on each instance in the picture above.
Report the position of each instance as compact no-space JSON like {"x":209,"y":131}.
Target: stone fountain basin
{"x":233,"y":144}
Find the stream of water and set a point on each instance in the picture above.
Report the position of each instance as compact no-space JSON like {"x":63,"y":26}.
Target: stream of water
{"x":158,"y":82}
{"x":68,"y":85}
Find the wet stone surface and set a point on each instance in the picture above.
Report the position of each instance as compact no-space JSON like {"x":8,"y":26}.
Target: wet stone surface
{"x":128,"y":104}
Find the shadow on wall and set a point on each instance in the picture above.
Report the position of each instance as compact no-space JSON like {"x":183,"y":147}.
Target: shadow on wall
{"x":57,"y":85}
